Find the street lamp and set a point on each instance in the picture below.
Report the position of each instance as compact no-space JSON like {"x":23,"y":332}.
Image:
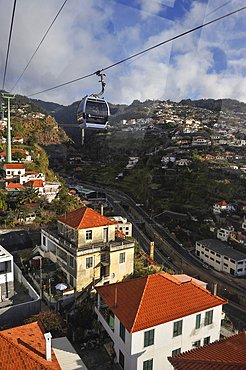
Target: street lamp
{"x":40,"y":265}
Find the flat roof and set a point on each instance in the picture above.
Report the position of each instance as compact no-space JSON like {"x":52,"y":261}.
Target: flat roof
{"x":222,"y":248}
{"x":66,"y":355}
{"x":4,"y":253}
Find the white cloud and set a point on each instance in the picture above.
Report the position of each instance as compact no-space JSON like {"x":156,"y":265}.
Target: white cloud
{"x":90,"y":35}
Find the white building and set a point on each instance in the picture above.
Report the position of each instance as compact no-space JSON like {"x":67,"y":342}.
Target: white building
{"x":153,"y":317}
{"x":222,"y":206}
{"x":13,"y":169}
{"x":122,"y":225}
{"x":221,"y":257}
{"x":6,"y":276}
{"x":224,"y":233}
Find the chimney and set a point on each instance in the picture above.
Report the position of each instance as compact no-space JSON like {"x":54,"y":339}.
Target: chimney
{"x":151,"y":252}
{"x":48,"y":337}
{"x":102,"y":209}
{"x":214,"y":288}
{"x":115,"y":297}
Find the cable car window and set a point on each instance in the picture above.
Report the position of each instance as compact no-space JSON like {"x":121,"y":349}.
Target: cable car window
{"x":96,"y":108}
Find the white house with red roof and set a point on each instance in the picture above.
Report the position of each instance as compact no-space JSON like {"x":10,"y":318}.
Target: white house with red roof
{"x":86,"y":248}
{"x":222,"y":206}
{"x":13,"y":169}
{"x":17,"y":139}
{"x":47,"y":189}
{"x":153,"y":317}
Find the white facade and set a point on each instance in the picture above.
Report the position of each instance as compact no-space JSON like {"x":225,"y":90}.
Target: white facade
{"x":31,"y":176}
{"x":165,"y":342}
{"x":122,"y":225}
{"x":224,"y":233}
{"x":6,"y":275}
{"x":221,"y":257}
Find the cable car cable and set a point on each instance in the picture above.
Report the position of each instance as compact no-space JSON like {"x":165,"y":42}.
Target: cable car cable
{"x":141,"y":52}
{"x":40,"y":44}
{"x":10,"y":35}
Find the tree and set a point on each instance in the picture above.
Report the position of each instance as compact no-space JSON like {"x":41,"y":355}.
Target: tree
{"x":50,"y":320}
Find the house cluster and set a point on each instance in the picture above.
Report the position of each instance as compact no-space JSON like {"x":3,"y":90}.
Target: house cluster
{"x":24,"y":154}
{"x":17,"y":179}
{"x":132,"y":163}
{"x":172,"y":159}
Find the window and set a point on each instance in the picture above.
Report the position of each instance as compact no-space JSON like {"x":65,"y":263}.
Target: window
{"x":209,"y":317}
{"x":62,"y":254}
{"x":202,"y":252}
{"x":148,"y":365}
{"x":225,"y":264}
{"x":88,"y":235}
{"x":71,"y":281}
{"x":212,"y":252}
{"x":89,"y":262}
{"x":122,"y":258}
{"x":122,"y":332}
{"x":198,"y":321}
{"x":232,"y":261}
{"x":71,"y":261}
{"x":206,"y":340}
{"x":239,"y":270}
{"x":212,"y":259}
{"x":206,"y":255}
{"x":218,"y":255}
{"x":121,"y":359}
{"x":217,"y":261}
{"x":196,"y":344}
{"x":240,"y":263}
{"x":206,"y":249}
{"x":177,"y":328}
{"x":44,"y":240}
{"x":149,"y":338}
{"x":226,"y":258}
{"x":176,"y":351}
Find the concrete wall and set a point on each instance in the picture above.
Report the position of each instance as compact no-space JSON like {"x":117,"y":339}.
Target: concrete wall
{"x":15,"y":315}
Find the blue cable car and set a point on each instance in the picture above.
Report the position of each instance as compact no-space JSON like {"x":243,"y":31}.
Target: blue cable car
{"x":93,"y":112}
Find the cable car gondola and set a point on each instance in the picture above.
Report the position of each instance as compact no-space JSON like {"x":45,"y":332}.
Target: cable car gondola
{"x":93,"y":112}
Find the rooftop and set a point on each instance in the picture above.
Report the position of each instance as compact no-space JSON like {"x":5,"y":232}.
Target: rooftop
{"x":226,"y":354}
{"x":156,"y":299}
{"x":222,"y":248}
{"x":84,"y":218}
{"x":23,"y":347}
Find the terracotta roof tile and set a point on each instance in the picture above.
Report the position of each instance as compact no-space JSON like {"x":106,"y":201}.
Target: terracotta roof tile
{"x":227,"y":354}
{"x":34,"y":184}
{"x":23,"y":347}
{"x":11,"y":185}
{"x":156,"y":299}
{"x":84,"y":218}
{"x":14,"y":166}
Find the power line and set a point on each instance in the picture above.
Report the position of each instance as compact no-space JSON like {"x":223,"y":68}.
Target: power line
{"x":10,"y":35}
{"x":142,"y":52}
{"x":40,"y":43}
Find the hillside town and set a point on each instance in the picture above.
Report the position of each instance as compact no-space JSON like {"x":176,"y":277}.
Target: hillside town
{"x":101,"y":267}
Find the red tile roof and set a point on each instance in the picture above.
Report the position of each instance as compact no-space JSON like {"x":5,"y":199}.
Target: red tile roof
{"x":34,"y":184}
{"x":84,"y":218}
{"x":223,"y":203}
{"x":23,"y":347}
{"x":14,"y":166}
{"x":11,"y":185}
{"x":226,"y":354}
{"x":156,"y":299}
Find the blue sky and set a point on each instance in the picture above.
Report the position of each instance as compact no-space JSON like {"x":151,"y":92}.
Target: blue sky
{"x":91,"y":35}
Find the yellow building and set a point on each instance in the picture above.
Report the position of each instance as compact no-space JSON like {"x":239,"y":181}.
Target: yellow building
{"x":86,"y":248}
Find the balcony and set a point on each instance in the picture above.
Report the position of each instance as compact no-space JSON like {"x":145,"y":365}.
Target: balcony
{"x":80,"y":250}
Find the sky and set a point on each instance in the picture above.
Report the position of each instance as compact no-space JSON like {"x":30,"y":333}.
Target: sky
{"x":91,"y":35}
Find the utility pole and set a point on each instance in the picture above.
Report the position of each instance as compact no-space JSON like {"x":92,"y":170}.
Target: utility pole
{"x":8,"y":146}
